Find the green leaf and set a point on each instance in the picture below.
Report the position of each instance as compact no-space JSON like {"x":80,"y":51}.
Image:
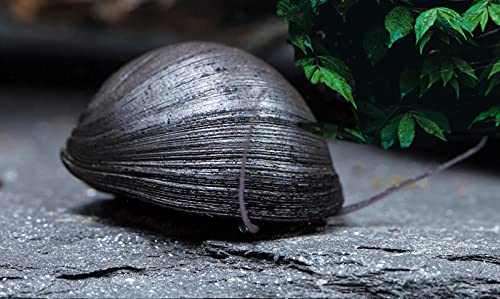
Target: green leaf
{"x":338,"y":66}
{"x":494,"y":10}
{"x":317,"y":74}
{"x":389,"y":133}
{"x":309,"y":71}
{"x":289,"y":10}
{"x":449,"y":18}
{"x":495,"y":69}
{"x":430,"y":68}
{"x":493,"y":112}
{"x":423,"y":88}
{"x":399,"y":23}
{"x":304,"y":62}
{"x":308,"y":43}
{"x":408,"y":81}
{"x":330,"y":74}
{"x":375,"y":44}
{"x":475,"y":14}
{"x":356,"y":133}
{"x":316,"y":3}
{"x":456,"y":87}
{"x":425,"y":39}
{"x":302,"y":42}
{"x":484,"y":20}
{"x":464,"y":67}
{"x":447,"y":72}
{"x":406,"y":130}
{"x":424,"y":22}
{"x":433,"y":78}
{"x":435,"y":116}
{"x":287,"y":7}
{"x":493,"y":83}
{"x":484,"y":74}
{"x":430,"y":126}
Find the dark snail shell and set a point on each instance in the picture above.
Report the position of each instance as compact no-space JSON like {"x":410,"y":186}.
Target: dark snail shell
{"x":171,"y":127}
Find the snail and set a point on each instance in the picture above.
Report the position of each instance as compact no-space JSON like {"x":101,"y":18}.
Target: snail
{"x":209,"y":129}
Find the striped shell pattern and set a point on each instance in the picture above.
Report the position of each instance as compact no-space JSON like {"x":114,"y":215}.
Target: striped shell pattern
{"x":171,"y":128}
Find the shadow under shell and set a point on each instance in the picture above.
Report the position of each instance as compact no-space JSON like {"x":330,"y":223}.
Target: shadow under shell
{"x":123,"y":212}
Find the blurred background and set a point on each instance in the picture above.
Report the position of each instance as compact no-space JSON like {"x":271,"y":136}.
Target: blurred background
{"x":78,"y":43}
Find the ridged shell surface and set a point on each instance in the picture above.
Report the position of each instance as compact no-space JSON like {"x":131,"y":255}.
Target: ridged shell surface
{"x":171,"y":128}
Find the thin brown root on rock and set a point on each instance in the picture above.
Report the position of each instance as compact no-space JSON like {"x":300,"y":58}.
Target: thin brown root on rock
{"x":368,"y":202}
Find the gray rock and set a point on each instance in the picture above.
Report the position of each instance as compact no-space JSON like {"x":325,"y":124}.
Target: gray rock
{"x":62,"y":239}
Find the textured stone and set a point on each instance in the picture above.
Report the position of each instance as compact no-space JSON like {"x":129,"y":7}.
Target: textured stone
{"x":60,"y":238}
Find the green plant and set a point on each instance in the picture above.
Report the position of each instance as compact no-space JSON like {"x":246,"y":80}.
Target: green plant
{"x":404,"y":67}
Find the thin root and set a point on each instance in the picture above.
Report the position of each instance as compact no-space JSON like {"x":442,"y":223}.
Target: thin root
{"x":368,"y":202}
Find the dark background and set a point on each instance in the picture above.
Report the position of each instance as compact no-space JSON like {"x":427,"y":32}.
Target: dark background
{"x":77,"y":44}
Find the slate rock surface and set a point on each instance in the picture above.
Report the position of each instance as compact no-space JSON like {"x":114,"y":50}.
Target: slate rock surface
{"x":59,"y":238}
